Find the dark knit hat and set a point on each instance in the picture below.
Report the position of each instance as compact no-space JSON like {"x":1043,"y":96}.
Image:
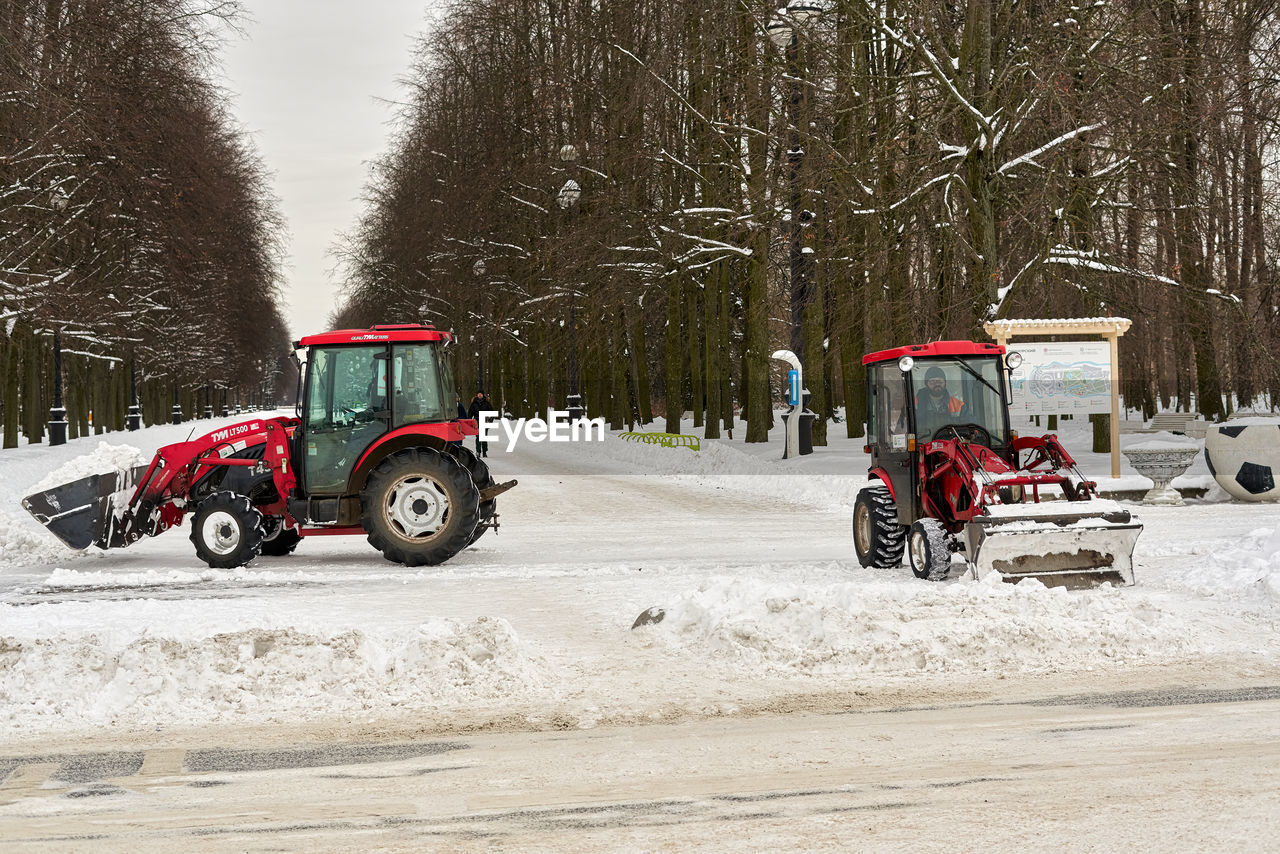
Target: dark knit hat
{"x":933,"y":372}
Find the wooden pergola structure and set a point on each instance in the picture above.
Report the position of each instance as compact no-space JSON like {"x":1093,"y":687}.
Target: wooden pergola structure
{"x":1108,"y":328}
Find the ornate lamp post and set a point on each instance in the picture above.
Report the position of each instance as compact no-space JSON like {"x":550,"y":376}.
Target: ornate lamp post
{"x":567,"y":198}
{"x":479,"y":269}
{"x":782,"y":33}
{"x":134,"y":420}
{"x":58,"y":413}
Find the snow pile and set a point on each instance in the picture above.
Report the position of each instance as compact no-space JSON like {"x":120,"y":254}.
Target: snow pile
{"x":886,"y":628}
{"x":1246,"y":574}
{"x":74,"y":680}
{"x":1164,"y":441}
{"x":105,"y":458}
{"x":24,"y":543}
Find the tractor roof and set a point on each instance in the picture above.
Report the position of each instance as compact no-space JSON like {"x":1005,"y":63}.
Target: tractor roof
{"x":400,"y":333}
{"x":937,"y":348}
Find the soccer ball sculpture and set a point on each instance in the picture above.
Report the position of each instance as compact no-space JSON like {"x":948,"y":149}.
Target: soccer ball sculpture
{"x":1244,"y":458}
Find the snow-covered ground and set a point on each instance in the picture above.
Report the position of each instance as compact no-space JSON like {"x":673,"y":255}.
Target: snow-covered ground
{"x":750,"y":557}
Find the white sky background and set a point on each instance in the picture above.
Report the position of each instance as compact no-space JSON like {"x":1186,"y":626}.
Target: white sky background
{"x":312,"y":80}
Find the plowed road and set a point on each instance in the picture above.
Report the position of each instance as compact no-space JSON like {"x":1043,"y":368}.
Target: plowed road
{"x":1153,"y":770}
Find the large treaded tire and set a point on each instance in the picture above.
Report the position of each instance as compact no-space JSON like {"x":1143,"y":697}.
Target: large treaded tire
{"x":419,"y":507}
{"x":226,"y":530}
{"x":277,"y":541}
{"x":927,"y":550}
{"x":878,"y":539}
{"x":281,"y":544}
{"x":481,"y":477}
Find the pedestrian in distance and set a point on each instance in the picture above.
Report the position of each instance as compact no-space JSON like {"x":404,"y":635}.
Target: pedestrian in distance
{"x":480,"y":403}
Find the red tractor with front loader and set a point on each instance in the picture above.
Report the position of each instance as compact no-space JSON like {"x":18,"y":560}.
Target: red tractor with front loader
{"x":950,"y":477}
{"x":376,"y":449}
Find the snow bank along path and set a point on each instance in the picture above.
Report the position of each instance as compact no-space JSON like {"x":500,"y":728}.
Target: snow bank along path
{"x":753,"y":566}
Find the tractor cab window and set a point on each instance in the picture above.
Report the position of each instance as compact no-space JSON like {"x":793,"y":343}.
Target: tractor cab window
{"x":423,"y":387}
{"x":347,"y":397}
{"x":960,"y":392}
{"x":887,"y":416}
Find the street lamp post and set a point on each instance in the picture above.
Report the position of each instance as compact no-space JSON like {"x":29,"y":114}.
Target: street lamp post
{"x":58,"y":414}
{"x":479,"y":269}
{"x":177,"y":407}
{"x":567,"y":198}
{"x":782,"y":33}
{"x":58,"y":200}
{"x":134,"y":421}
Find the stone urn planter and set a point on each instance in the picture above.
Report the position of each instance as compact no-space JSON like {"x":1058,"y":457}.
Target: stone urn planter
{"x":1162,"y":461}
{"x":1244,"y":457}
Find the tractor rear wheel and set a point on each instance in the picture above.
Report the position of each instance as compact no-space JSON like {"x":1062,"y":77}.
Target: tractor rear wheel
{"x":928,"y":551}
{"x":878,"y":539}
{"x":227,"y":530}
{"x":481,"y":477}
{"x":419,"y":507}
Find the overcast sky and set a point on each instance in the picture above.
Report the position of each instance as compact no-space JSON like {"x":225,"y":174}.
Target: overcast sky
{"x":311,"y":79}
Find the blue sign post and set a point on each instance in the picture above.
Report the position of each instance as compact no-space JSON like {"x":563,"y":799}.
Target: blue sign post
{"x":793,"y":387}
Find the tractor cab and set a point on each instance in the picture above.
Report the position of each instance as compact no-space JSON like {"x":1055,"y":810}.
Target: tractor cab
{"x":360,"y":385}
{"x":944,"y":390}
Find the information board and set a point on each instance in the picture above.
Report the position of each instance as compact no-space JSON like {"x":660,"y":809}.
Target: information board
{"x":1061,"y":379}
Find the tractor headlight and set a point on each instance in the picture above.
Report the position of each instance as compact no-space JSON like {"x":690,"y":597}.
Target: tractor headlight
{"x":906,"y":363}
{"x":1013,"y":360}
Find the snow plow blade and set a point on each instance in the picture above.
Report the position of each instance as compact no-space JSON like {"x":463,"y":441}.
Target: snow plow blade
{"x":89,"y":511}
{"x":1061,"y":543}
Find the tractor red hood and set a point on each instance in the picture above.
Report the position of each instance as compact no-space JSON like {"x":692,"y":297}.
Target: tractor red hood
{"x":408,"y":333}
{"x":937,"y":348}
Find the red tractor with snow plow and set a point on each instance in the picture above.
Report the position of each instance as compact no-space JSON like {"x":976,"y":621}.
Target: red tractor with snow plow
{"x":376,"y":450}
{"x":949,"y":477}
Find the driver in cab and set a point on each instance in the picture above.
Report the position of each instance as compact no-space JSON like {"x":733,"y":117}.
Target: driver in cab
{"x":935,"y":405}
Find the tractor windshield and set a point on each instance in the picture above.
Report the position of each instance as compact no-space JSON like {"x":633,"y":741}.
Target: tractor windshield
{"x":959,"y":390}
{"x":423,"y":387}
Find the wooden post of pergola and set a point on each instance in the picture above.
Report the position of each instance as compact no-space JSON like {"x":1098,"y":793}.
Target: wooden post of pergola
{"x":1110,"y":328}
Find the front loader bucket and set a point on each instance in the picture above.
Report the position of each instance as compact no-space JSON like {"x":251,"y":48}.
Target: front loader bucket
{"x":88,"y":511}
{"x":1067,"y":543}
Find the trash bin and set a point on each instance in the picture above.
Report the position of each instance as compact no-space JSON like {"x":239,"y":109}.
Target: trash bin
{"x":806,"y":425}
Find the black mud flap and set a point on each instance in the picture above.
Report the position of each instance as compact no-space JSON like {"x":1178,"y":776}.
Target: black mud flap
{"x":84,"y":512}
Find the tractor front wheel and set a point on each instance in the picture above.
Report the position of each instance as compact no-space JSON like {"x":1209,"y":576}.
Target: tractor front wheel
{"x":928,"y":550}
{"x":227,"y":530}
{"x":877,"y":537}
{"x":419,"y":507}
